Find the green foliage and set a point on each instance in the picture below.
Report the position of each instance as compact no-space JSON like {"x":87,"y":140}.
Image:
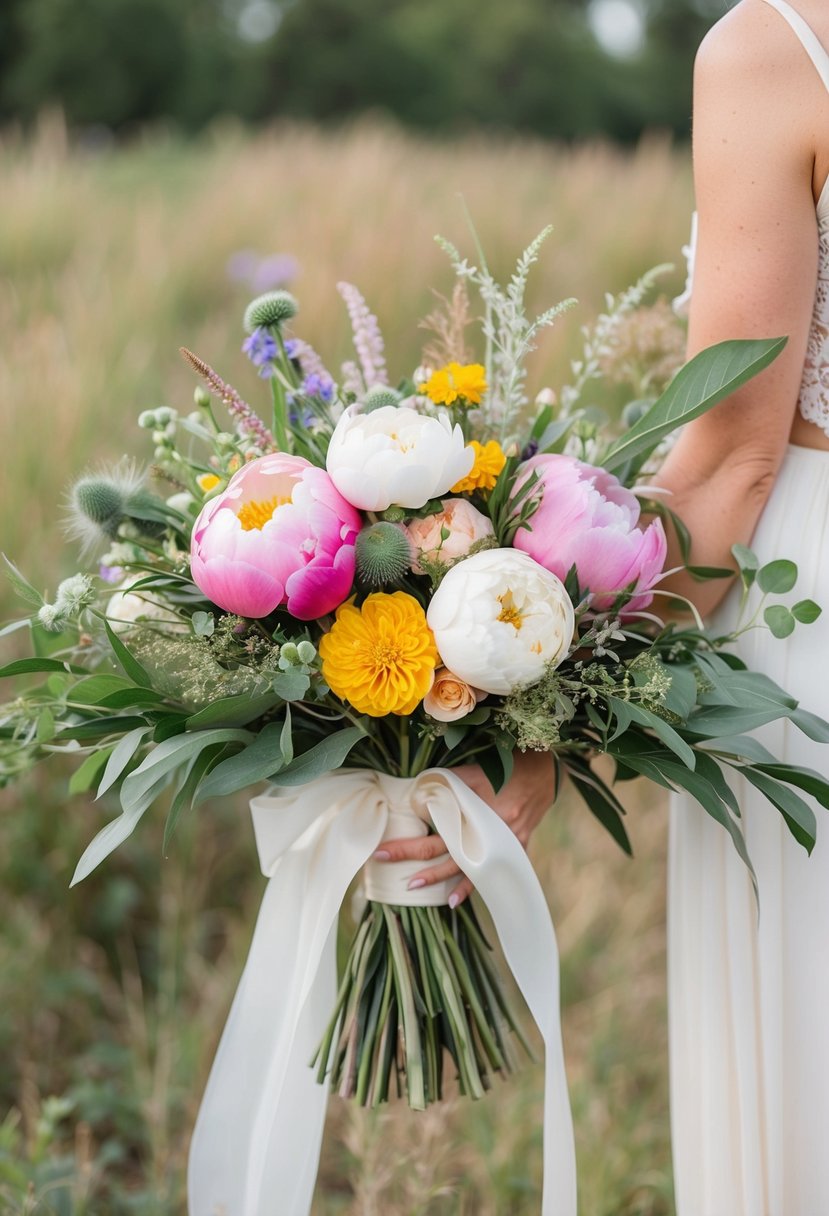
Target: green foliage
{"x":523,"y":66}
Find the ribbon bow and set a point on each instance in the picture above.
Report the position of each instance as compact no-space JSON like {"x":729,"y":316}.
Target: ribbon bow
{"x":256,"y":1143}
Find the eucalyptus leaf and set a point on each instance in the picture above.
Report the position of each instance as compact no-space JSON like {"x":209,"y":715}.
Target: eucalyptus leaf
{"x":746,"y":559}
{"x":778,"y":577}
{"x":780,"y":621}
{"x":806,"y":611}
{"x":291,"y":685}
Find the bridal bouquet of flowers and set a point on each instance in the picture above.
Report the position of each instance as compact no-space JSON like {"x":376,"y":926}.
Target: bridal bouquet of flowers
{"x":378,"y":583}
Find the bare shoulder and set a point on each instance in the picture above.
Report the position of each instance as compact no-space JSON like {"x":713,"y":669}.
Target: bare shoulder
{"x":750,"y":47}
{"x":754,"y":85}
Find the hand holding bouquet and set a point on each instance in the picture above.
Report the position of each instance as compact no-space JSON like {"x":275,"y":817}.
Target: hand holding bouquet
{"x":377,"y":585}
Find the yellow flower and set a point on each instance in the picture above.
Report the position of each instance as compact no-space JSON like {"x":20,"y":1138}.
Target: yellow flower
{"x":381,"y":657}
{"x":466,"y":382}
{"x":207,"y":482}
{"x":489,"y":461}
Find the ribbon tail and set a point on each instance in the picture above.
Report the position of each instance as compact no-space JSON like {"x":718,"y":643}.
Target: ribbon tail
{"x":490,"y":854}
{"x":256,"y":1144}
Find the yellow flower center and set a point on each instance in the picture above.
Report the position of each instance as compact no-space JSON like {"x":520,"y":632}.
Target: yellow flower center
{"x":255,"y":514}
{"x":386,"y":655}
{"x":510,"y":613}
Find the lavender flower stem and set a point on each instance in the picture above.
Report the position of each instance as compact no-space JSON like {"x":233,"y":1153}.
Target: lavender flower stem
{"x":249,"y":421}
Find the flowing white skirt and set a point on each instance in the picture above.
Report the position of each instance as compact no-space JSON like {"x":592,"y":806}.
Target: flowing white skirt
{"x":749,"y":992}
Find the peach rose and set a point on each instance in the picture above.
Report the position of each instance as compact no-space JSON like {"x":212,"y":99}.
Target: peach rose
{"x":450,"y":697}
{"x":450,"y":534}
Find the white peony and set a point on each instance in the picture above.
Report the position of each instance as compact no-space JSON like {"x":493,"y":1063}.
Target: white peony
{"x":500,"y":619}
{"x":396,"y":456}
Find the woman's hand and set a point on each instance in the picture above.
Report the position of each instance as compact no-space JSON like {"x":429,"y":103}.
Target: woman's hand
{"x":522,"y":803}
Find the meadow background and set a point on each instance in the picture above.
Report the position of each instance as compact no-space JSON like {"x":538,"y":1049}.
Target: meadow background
{"x":112,"y":996}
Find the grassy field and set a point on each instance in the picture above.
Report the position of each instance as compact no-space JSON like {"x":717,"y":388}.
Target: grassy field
{"x":112,"y":996}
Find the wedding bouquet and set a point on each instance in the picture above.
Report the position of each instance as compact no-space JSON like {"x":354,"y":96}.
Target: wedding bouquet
{"x":381,"y":582}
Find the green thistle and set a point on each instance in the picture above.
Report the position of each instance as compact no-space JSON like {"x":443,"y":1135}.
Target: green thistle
{"x":270,"y":311}
{"x":100,"y":502}
{"x":378,"y":396}
{"x":383,"y":553}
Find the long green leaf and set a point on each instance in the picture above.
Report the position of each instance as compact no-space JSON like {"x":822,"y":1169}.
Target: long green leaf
{"x":140,"y":789}
{"x":602,"y":803}
{"x":260,"y":759}
{"x":185,"y":795}
{"x":626,"y":711}
{"x":321,"y":758}
{"x":799,"y":816}
{"x":711,"y":376}
{"x":127,"y":659}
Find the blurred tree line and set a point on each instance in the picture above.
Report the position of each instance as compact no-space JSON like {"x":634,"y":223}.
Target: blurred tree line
{"x":522,"y":65}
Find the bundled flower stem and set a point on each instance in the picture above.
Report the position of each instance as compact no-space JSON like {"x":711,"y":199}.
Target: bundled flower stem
{"x":419,"y":987}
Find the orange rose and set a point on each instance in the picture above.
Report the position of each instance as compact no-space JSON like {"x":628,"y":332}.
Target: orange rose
{"x":450,"y":698}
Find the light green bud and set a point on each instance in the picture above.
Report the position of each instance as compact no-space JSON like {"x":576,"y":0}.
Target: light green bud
{"x":290,"y":654}
{"x":147,"y":419}
{"x":306,"y":651}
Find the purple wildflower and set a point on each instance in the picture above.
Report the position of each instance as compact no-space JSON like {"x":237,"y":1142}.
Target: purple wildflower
{"x":276,"y":270}
{"x":261,"y":273}
{"x":318,"y":385}
{"x":304,"y":418}
{"x":261,"y":349}
{"x":368,"y":341}
{"x":111,"y":574}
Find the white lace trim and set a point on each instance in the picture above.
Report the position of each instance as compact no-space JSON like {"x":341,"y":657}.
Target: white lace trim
{"x":814,"y":389}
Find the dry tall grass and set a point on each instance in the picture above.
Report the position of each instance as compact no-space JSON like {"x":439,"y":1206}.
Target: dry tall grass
{"x":114,"y":995}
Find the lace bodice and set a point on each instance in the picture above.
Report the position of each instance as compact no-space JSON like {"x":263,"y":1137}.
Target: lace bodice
{"x":814,"y":390}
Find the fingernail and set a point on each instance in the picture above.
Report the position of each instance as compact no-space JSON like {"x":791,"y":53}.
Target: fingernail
{"x":416,"y":883}
{"x":381,"y":855}
{"x":454,"y":900}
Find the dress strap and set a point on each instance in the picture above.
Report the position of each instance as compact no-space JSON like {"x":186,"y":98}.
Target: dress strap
{"x":812,"y":45}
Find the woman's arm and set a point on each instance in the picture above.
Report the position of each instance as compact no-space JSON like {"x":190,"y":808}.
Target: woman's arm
{"x":758,"y":106}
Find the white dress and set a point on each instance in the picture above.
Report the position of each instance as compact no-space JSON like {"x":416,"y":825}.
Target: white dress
{"x":749,"y":997}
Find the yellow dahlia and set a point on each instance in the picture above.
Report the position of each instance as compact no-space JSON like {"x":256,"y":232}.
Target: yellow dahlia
{"x":381,"y":657}
{"x":466,"y":382}
{"x":489,"y":461}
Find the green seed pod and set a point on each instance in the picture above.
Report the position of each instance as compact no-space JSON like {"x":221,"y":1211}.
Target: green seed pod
{"x":100,"y":501}
{"x":383,"y":553}
{"x":201,"y":397}
{"x":378,"y":396}
{"x":270,"y":311}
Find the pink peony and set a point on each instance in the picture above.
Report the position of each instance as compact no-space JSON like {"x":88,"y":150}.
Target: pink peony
{"x":464,"y":525}
{"x":588,"y":519}
{"x":279,"y":534}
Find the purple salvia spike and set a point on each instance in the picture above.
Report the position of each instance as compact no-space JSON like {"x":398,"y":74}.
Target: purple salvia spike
{"x":249,"y":421}
{"x":368,"y":340}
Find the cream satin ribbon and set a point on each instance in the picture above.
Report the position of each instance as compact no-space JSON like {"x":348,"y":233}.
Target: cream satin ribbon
{"x":256,"y":1144}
